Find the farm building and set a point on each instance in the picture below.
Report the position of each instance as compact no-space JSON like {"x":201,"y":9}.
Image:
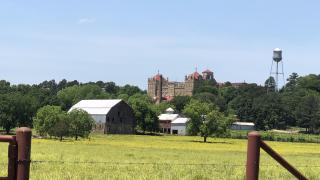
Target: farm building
{"x":179,"y":126}
{"x":166,"y":119}
{"x":111,"y":116}
{"x":242,"y":126}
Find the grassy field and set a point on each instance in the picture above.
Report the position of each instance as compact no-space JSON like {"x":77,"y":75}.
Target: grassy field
{"x":159,"y":157}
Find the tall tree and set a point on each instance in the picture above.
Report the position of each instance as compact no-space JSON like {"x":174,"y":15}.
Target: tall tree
{"x":214,"y":123}
{"x":46,"y":119}
{"x":179,"y":102}
{"x":196,"y":110}
{"x":145,"y":115}
{"x":81,"y":123}
{"x":7,"y":113}
{"x":74,"y":94}
{"x":308,"y":113}
{"x":270,"y":84}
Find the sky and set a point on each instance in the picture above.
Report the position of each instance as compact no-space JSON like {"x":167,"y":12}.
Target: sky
{"x":127,"y":41}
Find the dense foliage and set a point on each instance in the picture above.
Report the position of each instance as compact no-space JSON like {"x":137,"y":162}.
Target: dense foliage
{"x":53,"y":121}
{"x":296,"y":104}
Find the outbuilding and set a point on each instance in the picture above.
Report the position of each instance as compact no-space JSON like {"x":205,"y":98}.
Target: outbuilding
{"x":166,"y":119}
{"x":242,"y":126}
{"x":111,"y":116}
{"x":179,"y":126}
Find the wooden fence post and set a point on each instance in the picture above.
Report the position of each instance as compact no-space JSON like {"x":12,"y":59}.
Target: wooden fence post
{"x":23,"y":137}
{"x":253,"y":156}
{"x":12,"y":163}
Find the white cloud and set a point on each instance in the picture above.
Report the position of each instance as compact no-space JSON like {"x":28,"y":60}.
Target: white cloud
{"x":86,"y":20}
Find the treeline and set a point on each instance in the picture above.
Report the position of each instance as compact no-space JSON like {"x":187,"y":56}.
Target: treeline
{"x":296,"y":104}
{"x":20,"y":103}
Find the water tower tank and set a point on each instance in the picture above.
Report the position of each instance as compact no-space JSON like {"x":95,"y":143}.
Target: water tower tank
{"x":277,"y":54}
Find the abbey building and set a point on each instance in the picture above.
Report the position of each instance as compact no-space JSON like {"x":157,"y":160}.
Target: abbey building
{"x":160,"y":88}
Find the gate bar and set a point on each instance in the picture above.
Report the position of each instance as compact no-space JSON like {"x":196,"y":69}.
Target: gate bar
{"x":282,"y":161}
{"x":253,"y":155}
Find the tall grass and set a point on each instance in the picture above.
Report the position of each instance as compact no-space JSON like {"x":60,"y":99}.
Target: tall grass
{"x":159,"y":157}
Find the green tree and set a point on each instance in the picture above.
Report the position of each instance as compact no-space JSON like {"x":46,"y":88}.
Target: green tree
{"x":7,"y":113}
{"x":195,"y":110}
{"x":145,"y":114}
{"x":270,"y":84}
{"x":242,"y":104}
{"x":205,"y":119}
{"x":111,"y":87}
{"x":179,"y":102}
{"x":214,"y":123}
{"x":74,"y":94}
{"x":81,"y":123}
{"x":269,"y":112}
{"x":130,"y":90}
{"x":152,"y":121}
{"x":308,"y":113}
{"x":61,"y":127}
{"x":46,"y":119}
{"x":16,"y":110}
{"x":292,"y":81}
{"x":311,"y":82}
{"x":161,"y":107}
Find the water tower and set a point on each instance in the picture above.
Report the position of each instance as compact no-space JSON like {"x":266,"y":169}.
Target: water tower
{"x":277,"y":58}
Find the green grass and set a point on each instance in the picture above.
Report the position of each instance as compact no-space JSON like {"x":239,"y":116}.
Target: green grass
{"x":160,"y":157}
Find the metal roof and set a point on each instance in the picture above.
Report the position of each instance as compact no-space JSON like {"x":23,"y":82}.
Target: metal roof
{"x":243,"y":123}
{"x":169,"y":110}
{"x":180,"y":121}
{"x":168,"y":117}
{"x":96,"y":106}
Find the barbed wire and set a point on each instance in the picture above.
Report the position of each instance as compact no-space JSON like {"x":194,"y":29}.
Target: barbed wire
{"x":155,"y":163}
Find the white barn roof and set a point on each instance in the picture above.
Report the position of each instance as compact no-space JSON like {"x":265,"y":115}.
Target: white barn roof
{"x":168,"y":117}
{"x":180,"y":121}
{"x":169,"y":110}
{"x":96,"y":106}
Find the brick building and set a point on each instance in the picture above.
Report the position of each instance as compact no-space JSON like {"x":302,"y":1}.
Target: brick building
{"x":160,"y":88}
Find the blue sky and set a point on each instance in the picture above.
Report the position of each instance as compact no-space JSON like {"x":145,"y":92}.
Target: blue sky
{"x":127,"y":41}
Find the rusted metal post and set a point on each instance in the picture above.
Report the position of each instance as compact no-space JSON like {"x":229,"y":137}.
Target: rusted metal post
{"x":253,"y":156}
{"x":24,"y":150}
{"x":282,"y":161}
{"x":12,"y":164}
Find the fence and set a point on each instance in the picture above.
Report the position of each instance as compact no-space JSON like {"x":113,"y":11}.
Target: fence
{"x":253,"y":156}
{"x":20,"y":148}
{"x":18,"y":154}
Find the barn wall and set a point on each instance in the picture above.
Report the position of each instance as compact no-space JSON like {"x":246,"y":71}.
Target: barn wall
{"x":180,"y":127}
{"x":100,"y":120}
{"x":120,"y":120}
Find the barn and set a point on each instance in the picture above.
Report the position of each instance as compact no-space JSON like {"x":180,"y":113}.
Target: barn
{"x":179,"y":126}
{"x":111,"y":116}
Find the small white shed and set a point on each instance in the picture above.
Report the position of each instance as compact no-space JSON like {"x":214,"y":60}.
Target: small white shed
{"x":179,"y":126}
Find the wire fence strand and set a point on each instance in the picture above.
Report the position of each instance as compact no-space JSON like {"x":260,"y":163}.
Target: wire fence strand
{"x":155,"y":163}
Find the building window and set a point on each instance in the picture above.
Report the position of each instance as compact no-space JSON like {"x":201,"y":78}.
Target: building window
{"x":113,"y":119}
{"x":118,"y":113}
{"x":108,"y":119}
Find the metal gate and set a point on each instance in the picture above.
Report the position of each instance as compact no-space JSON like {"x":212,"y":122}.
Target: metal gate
{"x":19,"y":150}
